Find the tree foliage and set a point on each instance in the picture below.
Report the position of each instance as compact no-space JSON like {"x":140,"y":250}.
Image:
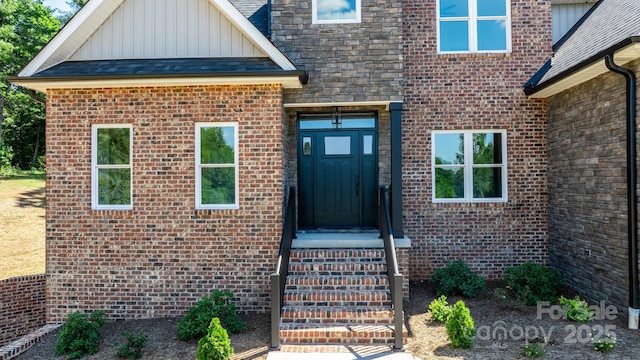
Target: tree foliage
{"x":25,"y":27}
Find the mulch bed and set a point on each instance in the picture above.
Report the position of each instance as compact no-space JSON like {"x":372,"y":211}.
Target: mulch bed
{"x":503,"y":327}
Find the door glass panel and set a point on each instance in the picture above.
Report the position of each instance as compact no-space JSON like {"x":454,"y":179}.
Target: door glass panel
{"x":358,"y":121}
{"x":306,"y":145}
{"x":367,"y":145}
{"x":316,"y":124}
{"x":337,"y":145}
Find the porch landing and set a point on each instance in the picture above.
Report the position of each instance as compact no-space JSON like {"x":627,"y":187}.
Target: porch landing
{"x":343,"y":240}
{"x":346,"y":352}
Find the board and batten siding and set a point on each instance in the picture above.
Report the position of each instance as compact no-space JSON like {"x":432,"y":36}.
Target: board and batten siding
{"x":166,"y":29}
{"x":564,"y":16}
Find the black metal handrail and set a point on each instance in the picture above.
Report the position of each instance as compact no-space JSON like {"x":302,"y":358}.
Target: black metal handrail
{"x":279,"y":277}
{"x":395,"y":277}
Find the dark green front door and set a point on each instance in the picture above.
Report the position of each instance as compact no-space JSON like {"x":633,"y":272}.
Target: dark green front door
{"x":338,"y":178}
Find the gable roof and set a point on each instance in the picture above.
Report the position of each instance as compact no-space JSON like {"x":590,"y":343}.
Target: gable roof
{"x":203,"y":31}
{"x":610,"y":27}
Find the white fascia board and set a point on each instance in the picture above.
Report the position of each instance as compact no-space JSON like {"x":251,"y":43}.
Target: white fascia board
{"x":254,"y":34}
{"x":588,"y":72}
{"x":66,"y":33}
{"x":287,"y":82}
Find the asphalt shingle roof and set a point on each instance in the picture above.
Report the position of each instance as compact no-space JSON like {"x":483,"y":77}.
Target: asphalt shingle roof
{"x":256,"y":11}
{"x":608,"y":23}
{"x":178,"y":66}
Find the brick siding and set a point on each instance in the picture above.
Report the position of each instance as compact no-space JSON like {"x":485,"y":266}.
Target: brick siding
{"x":158,"y":259}
{"x":588,"y":187}
{"x":475,"y":91}
{"x":22,"y":306}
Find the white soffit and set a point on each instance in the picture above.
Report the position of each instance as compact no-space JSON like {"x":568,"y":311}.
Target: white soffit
{"x":621,"y":57}
{"x":94,"y":14}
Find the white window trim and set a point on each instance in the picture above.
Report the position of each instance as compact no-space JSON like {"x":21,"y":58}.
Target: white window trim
{"x":315,"y":20}
{"x":199,"y":167}
{"x":469,"y":166}
{"x":473,"y":31}
{"x":95,"y":167}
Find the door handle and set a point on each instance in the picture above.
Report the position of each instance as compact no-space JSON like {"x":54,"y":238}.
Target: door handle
{"x":357,"y":185}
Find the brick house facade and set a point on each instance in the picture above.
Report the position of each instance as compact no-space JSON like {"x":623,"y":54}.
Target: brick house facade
{"x":161,"y":252}
{"x":475,"y":91}
{"x":592,"y":234}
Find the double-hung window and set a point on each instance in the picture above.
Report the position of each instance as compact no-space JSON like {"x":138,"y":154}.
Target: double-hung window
{"x":335,"y":11}
{"x":111,"y":167}
{"x":474,"y":26}
{"x":217,"y":166}
{"x":469,"y":166}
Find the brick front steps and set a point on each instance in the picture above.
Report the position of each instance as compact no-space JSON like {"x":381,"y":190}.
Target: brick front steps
{"x":337,"y":296}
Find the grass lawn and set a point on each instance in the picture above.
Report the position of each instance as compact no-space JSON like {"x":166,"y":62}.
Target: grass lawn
{"x":22,"y":235}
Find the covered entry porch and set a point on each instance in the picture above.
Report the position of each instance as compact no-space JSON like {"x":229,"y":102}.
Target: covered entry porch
{"x":339,"y":277}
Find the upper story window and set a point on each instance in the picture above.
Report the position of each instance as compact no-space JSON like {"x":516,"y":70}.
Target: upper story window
{"x":335,"y":11}
{"x":217,"y":166}
{"x":474,"y":26}
{"x":111,"y":167}
{"x":469,"y":166}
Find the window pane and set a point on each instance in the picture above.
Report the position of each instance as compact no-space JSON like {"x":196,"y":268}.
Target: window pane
{"x":316,"y":124}
{"x":367,"y":146}
{"x":358,"y":123}
{"x":492,"y":8}
{"x":492,"y":35}
{"x":454,"y":8}
{"x":337,"y":145}
{"x":449,"y":183}
{"x":487,"y":183}
{"x":216,"y":145}
{"x":218,"y":186}
{"x":113,"y":146}
{"x":306,"y":145}
{"x":454,"y":36}
{"x":336,"y":9}
{"x":114,"y":186}
{"x":487,"y":148}
{"x":449,"y":149}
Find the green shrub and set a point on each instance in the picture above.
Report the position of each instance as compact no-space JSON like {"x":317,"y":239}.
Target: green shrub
{"x":132,"y":348}
{"x":440,"y":309}
{"x":605,"y":346}
{"x":219,"y":304}
{"x":531,"y":283}
{"x":460,"y":327}
{"x":216,"y":345}
{"x":533,"y":351}
{"x":457,"y":279}
{"x":576,"y":309}
{"x":79,"y":335}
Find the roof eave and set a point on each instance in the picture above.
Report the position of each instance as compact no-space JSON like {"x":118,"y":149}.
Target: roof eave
{"x":288,"y":79}
{"x":624,"y":51}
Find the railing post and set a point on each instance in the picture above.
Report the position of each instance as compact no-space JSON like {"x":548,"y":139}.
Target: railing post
{"x":397,"y":311}
{"x":275,"y":311}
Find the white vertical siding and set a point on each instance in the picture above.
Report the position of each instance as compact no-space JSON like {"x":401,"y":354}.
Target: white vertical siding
{"x":564,"y":16}
{"x":166,"y":29}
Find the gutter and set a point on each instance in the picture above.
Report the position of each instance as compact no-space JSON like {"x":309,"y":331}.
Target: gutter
{"x":632,"y":183}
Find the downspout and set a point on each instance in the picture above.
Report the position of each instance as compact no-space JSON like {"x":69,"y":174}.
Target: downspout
{"x":632,"y":202}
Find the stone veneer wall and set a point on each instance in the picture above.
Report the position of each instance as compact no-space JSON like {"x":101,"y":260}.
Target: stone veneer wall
{"x":22,"y":306}
{"x":345,"y":62}
{"x":588,"y":187}
{"x":475,"y":91}
{"x":160,"y":258}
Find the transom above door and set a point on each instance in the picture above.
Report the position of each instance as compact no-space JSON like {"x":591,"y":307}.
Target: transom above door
{"x":337,"y":170}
